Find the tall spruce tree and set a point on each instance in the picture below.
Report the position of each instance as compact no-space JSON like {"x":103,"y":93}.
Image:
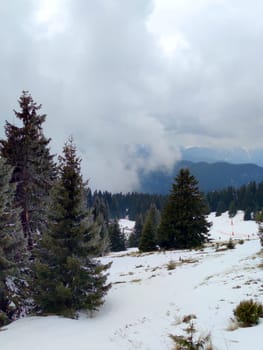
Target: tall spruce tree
{"x":148,"y":239}
{"x":135,"y":236}
{"x":11,"y":248}
{"x":117,"y":239}
{"x":221,"y":208}
{"x":248,"y":214}
{"x":232,"y":210}
{"x":100,"y":215}
{"x":26,"y":149}
{"x":183,"y":222}
{"x":67,"y":278}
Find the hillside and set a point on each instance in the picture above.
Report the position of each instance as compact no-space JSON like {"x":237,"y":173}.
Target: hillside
{"x":237,"y":155}
{"x":147,"y":301}
{"x":211,"y":176}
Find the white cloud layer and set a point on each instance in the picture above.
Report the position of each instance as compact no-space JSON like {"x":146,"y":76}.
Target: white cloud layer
{"x":134,"y":80}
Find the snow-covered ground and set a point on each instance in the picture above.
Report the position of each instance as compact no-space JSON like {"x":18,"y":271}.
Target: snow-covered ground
{"x":127,"y":227}
{"x":225,"y":227}
{"x":147,"y":301}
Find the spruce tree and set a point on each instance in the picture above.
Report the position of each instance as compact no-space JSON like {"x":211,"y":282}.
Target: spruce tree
{"x":135,"y":236}
{"x":26,"y":149}
{"x":221,"y":208}
{"x":183,"y":222}
{"x":117,"y":239}
{"x":149,"y":232}
{"x":248,"y":214}
{"x":232,"y":210}
{"x":11,"y":248}
{"x":259,"y":220}
{"x":100,"y":215}
{"x":67,"y":278}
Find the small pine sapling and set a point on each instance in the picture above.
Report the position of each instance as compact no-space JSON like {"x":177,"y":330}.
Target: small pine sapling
{"x":190,"y":341}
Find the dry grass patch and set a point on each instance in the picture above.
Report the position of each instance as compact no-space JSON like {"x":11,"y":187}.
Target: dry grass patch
{"x":155,"y":268}
{"x":133,"y":254}
{"x":188,"y":261}
{"x":136,"y":280}
{"x":127,"y":274}
{"x":171,"y":265}
{"x":221,"y":248}
{"x":233,"y":325}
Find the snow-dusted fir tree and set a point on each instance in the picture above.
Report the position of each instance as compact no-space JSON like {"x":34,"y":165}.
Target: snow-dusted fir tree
{"x":67,"y":278}
{"x":183,"y":222}
{"x":26,"y":150}
{"x":11,"y":248}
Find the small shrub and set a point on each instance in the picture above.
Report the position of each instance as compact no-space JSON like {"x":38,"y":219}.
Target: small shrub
{"x":260,"y":234}
{"x":236,"y":287}
{"x":248,"y":312}
{"x":241,"y":241}
{"x":188,"y":318}
{"x":230,"y":244}
{"x":171,"y":265}
{"x":138,"y":266}
{"x":190,"y":342}
{"x":3,"y":319}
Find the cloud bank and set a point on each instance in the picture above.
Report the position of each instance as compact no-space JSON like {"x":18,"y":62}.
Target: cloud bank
{"x":134,"y":80}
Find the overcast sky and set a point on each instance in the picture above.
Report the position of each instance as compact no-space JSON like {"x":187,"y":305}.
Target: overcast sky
{"x":132,"y":80}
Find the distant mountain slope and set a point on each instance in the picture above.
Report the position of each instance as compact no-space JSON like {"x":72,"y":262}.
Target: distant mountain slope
{"x":212,"y":155}
{"x":211,"y":176}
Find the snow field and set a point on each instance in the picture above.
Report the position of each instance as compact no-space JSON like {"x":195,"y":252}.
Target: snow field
{"x":147,"y":301}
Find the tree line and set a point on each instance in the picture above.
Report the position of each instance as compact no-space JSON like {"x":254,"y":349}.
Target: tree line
{"x":149,"y":211}
{"x":156,"y":216}
{"x":120,"y":205}
{"x":248,"y":198}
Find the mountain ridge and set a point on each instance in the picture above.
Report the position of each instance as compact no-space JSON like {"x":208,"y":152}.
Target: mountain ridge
{"x":211,"y":176}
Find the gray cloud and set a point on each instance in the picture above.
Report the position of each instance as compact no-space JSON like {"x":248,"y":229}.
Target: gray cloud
{"x":101,"y":75}
{"x":216,"y":77}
